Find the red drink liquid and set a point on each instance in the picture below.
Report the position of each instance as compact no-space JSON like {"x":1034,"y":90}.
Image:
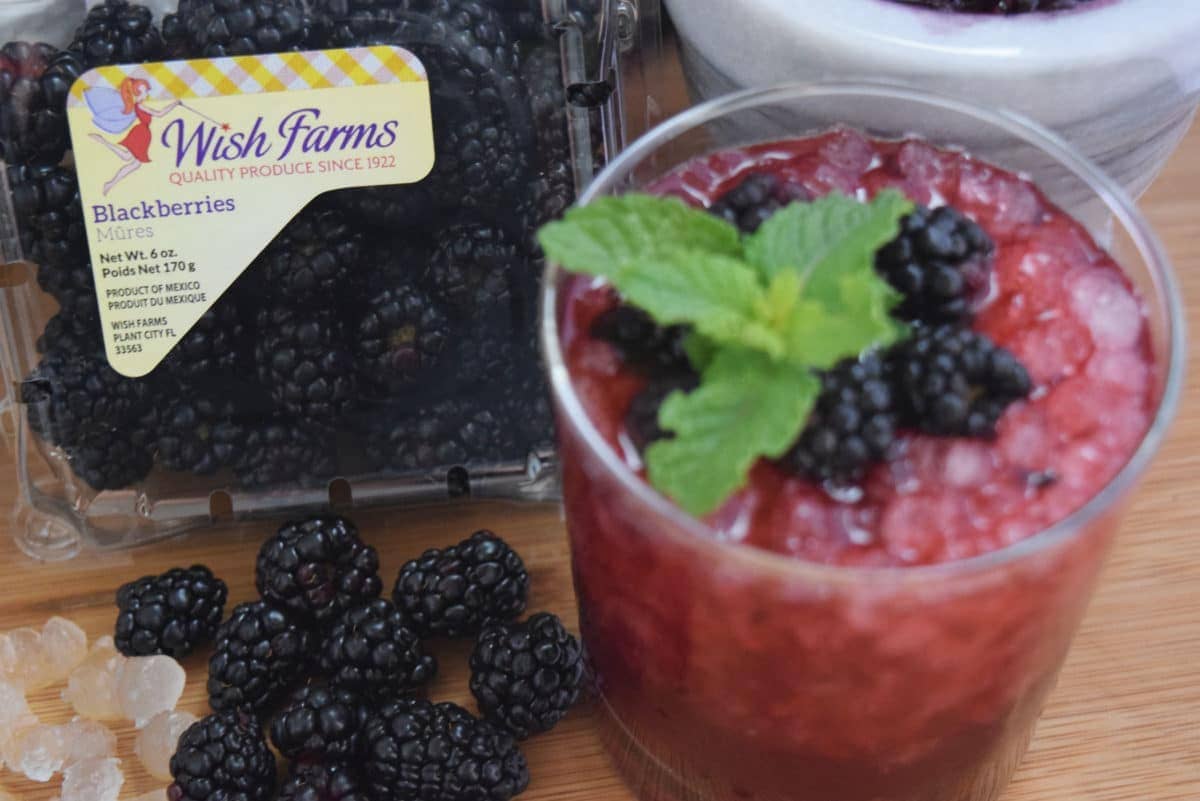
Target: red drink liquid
{"x":873,"y":664}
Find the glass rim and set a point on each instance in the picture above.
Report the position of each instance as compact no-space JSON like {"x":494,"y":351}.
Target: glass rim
{"x":1119,"y":204}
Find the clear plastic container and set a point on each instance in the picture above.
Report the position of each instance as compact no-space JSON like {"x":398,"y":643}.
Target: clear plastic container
{"x":730,"y":672}
{"x":408,"y":372}
{"x":1118,"y":79}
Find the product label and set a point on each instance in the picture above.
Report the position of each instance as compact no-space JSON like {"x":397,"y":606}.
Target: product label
{"x":188,"y":169}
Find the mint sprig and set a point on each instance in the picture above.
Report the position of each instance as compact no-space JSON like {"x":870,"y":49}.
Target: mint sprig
{"x":767,"y":310}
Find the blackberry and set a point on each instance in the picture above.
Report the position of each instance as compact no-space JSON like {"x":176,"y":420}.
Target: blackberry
{"x":456,"y":591}
{"x":317,"y":568}
{"x":452,"y":432}
{"x":940,"y":262}
{"x":170,"y":614}
{"x":525,"y":405}
{"x":35,"y":80}
{"x":471,"y":267}
{"x":222,"y":757}
{"x":110,"y":459}
{"x":319,"y":724}
{"x":641,"y":421}
{"x":998,"y":6}
{"x":372,"y":648}
{"x":542,"y":72}
{"x":215,"y":28}
{"x":354,"y":23}
{"x":439,"y":752}
{"x":752,"y":202}
{"x":76,"y":395}
{"x":280,"y":451}
{"x":117,"y":32}
{"x":321,"y":782}
{"x":73,"y":286}
{"x":200,"y":434}
{"x":956,"y":382}
{"x":401,"y":337}
{"x":398,"y":259}
{"x":70,"y":335}
{"x":852,"y":424}
{"x":305,"y":359}
{"x":317,"y":256}
{"x":215,"y":344}
{"x":260,"y":652}
{"x":526,"y":676}
{"x":49,"y":215}
{"x":642,"y":343}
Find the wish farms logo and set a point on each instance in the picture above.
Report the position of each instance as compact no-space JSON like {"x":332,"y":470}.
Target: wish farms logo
{"x":193,"y":139}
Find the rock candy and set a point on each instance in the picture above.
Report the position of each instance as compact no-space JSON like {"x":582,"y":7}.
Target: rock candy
{"x":37,"y":751}
{"x":22,"y":660}
{"x":15,"y":713}
{"x":149,"y":685}
{"x":64,"y":647}
{"x":155,"y":744}
{"x":87,"y":739}
{"x":92,"y":687}
{"x":93,"y":780}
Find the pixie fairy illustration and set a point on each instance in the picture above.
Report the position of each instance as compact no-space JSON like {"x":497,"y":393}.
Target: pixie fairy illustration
{"x":116,"y":111}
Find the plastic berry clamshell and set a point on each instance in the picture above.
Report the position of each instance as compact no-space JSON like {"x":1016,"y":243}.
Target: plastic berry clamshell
{"x":265,"y":256}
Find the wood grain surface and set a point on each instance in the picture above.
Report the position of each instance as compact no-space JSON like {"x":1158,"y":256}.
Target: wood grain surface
{"x":1123,"y":724}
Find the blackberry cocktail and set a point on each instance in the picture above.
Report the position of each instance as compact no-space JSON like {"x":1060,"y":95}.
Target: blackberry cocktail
{"x":843,"y":429}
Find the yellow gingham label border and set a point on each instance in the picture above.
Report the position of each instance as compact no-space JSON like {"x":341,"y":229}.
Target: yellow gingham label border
{"x":276,"y":72}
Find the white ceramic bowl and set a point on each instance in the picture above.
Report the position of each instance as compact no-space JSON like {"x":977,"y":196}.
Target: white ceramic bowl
{"x":1119,"y":79}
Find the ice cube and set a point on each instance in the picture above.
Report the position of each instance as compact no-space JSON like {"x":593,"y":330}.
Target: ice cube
{"x":149,"y":685}
{"x":155,"y":744}
{"x":22,"y":660}
{"x":36,"y":751}
{"x":64,"y":647}
{"x":1105,"y":305}
{"x":92,"y":687}
{"x":87,"y":739}
{"x":968,"y":464}
{"x":93,"y":780}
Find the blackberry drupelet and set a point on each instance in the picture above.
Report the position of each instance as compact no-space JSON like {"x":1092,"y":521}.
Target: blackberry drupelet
{"x":76,"y":395}
{"x":215,"y":344}
{"x":260,"y":652}
{"x":215,"y":28}
{"x":317,"y":568}
{"x":200,"y":434}
{"x":304,"y":357}
{"x":222,"y":757}
{"x":439,"y":752}
{"x":752,"y":202}
{"x":956,"y":382}
{"x":111,"y":458}
{"x":354,"y":23}
{"x":526,"y":676}
{"x":940,"y":262}
{"x":642,"y":343}
{"x":456,"y":591}
{"x":35,"y":80}
{"x":448,"y":433}
{"x":372,"y":649}
{"x":402,"y":336}
{"x":320,"y":724}
{"x":318,"y":255}
{"x":852,"y":424}
{"x":170,"y":614}
{"x":279,"y":451}
{"x":641,"y":421}
{"x":70,"y":335}
{"x":321,"y":782}
{"x":49,"y":215}
{"x":117,"y":32}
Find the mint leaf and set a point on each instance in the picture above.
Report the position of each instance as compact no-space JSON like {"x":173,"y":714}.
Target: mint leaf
{"x":748,"y":406}
{"x":827,"y":238}
{"x":820,"y":336}
{"x":603,"y":237}
{"x":718,"y":295}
